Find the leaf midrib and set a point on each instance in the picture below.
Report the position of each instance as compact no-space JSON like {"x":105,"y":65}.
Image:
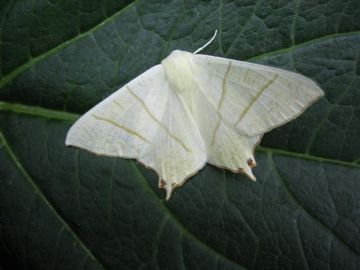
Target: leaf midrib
{"x":72,"y":117}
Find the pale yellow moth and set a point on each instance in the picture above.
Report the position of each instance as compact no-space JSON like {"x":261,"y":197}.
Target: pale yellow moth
{"x":194,"y":109}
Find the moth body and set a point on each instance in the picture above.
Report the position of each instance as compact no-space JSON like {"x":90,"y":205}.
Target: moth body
{"x":179,"y":71}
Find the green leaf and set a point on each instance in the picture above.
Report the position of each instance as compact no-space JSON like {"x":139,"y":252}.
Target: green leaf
{"x":65,"y":208}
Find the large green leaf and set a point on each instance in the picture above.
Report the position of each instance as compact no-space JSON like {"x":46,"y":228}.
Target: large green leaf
{"x":63,"y":208}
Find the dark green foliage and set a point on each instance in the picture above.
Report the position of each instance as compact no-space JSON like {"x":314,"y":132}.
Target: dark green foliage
{"x":63,"y":208}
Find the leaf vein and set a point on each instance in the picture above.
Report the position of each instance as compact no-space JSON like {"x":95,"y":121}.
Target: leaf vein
{"x":41,"y":195}
{"x":293,"y":197}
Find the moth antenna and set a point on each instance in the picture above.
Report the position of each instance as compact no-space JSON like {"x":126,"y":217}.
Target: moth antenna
{"x":207,"y":43}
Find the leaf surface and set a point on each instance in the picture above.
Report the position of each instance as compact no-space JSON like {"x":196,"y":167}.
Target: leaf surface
{"x":64,"y":208}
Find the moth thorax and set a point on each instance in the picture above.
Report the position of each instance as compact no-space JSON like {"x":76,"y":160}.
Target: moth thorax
{"x":179,"y":70}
